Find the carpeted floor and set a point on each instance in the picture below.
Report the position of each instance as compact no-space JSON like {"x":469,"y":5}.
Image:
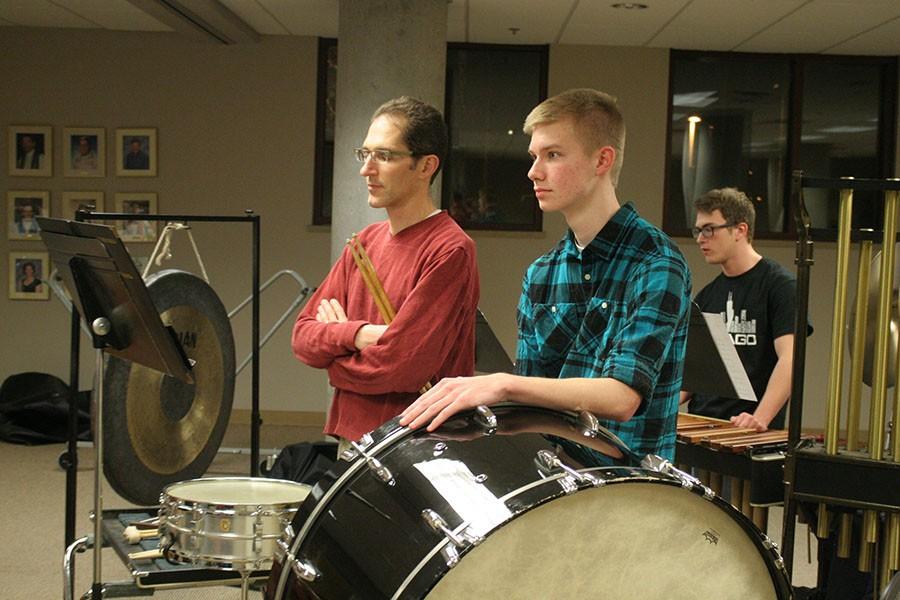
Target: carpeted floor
{"x":32,"y":526}
{"x":32,"y":504}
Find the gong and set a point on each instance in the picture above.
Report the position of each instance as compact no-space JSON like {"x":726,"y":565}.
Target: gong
{"x":158,"y":430}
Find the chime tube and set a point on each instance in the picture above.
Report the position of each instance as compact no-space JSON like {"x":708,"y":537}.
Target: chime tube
{"x":859,"y":345}
{"x":881,"y":351}
{"x":836,"y":370}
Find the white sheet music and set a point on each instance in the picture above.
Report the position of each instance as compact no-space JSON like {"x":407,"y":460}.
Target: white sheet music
{"x":730,"y":357}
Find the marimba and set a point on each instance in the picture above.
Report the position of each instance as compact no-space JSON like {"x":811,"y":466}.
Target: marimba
{"x":754,"y":462}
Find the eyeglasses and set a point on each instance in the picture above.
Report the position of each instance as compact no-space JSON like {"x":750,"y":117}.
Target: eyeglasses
{"x":379,"y":155}
{"x":708,"y":231}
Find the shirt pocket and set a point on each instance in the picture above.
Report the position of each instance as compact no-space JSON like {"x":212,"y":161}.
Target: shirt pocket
{"x":556,"y":328}
{"x":598,"y":329}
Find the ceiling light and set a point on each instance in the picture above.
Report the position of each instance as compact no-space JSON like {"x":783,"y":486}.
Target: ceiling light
{"x":695,"y":99}
{"x":630,"y":5}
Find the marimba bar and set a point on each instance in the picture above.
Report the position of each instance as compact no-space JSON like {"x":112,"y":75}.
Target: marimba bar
{"x":754,"y":462}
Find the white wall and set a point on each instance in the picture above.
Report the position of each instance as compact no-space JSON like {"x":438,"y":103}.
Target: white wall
{"x":236,"y":130}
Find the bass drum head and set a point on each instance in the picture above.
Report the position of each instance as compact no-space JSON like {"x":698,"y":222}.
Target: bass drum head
{"x":644,"y":540}
{"x":156,"y":429}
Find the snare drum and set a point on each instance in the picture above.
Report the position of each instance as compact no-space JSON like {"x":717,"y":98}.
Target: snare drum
{"x":231,"y":523}
{"x":481,"y":509}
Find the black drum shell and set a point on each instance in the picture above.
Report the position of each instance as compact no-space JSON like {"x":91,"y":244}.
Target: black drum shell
{"x":367,"y":537}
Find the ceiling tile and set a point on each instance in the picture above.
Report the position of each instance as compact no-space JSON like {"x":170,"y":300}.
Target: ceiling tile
{"x":117,"y":14}
{"x":256,"y":16}
{"x":883,"y":40}
{"x":305,"y":17}
{"x":535,"y":21}
{"x":597,"y":22}
{"x":717,"y":25}
{"x":817,"y":26}
{"x":40,"y":13}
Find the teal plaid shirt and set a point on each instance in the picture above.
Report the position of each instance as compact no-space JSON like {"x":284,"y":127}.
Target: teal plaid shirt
{"x":618,"y":309}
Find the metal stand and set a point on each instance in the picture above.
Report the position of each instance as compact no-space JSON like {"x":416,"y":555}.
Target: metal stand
{"x":101,"y":328}
{"x":71,"y":460}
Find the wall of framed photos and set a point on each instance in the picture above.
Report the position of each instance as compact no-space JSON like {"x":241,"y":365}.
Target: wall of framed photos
{"x":82,"y":154}
{"x":170,"y":126}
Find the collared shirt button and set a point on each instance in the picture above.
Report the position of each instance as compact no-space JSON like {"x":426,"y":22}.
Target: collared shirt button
{"x":553,"y":308}
{"x":587,"y":276}
{"x":603,"y":305}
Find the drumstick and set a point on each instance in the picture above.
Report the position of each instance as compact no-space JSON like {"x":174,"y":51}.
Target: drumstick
{"x":370,"y":277}
{"x":367,"y":270}
{"x":133,"y":535}
{"x":148,"y":522}
{"x":146,"y":554}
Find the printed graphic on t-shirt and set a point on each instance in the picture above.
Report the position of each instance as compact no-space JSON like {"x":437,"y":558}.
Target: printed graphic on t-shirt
{"x":741,"y":329}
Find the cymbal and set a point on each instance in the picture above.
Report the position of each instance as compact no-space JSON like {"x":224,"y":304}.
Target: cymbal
{"x":159,"y":430}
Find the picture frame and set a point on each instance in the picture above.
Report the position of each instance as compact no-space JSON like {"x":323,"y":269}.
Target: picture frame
{"x":84,"y":151}
{"x":136,"y":152}
{"x":72,"y":201}
{"x":22,"y":206}
{"x":138,"y":203}
{"x":28,"y":275}
{"x":30,"y":150}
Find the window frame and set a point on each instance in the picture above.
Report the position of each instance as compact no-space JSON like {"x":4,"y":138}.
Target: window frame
{"x":887,"y":125}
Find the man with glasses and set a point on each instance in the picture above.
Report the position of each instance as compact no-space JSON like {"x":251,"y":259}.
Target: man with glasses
{"x":603,"y":315}
{"x":755,"y":296}
{"x":427,"y":267}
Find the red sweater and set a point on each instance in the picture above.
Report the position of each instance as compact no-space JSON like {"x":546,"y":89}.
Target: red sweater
{"x":430,"y":275}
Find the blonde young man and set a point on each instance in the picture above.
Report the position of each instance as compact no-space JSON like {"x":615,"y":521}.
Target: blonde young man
{"x":756,"y":298}
{"x":603,"y":316}
{"x":428,"y":269}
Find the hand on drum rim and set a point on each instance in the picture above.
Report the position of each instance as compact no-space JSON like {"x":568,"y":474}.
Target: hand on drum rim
{"x":453,"y":395}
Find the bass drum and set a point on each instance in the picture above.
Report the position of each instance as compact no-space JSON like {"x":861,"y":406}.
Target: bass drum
{"x":491,"y":506}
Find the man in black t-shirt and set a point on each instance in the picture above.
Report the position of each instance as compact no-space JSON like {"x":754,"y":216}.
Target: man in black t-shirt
{"x":755,"y":296}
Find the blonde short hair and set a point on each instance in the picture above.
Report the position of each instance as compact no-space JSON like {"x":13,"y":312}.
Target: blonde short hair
{"x":598,"y":121}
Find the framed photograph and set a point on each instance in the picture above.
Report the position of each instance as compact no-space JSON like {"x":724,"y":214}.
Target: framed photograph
{"x":84,"y":151}
{"x":136,"y":152}
{"x":137,"y":203}
{"x":28,"y":272}
{"x":72,"y":201}
{"x":21,"y":208}
{"x":30,"y":150}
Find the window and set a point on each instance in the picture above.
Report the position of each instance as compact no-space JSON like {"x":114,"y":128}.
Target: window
{"x":324,"y":167}
{"x":749,"y":120}
{"x":489,"y":91}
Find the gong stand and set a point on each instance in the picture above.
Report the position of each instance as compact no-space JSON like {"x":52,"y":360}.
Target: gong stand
{"x":70,"y":460}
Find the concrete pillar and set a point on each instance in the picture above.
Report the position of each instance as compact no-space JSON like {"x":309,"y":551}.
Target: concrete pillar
{"x":386,"y":48}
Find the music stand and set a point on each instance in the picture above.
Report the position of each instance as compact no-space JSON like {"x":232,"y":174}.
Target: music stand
{"x":711,"y":364}
{"x":110,"y":294}
{"x":490,"y":357}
